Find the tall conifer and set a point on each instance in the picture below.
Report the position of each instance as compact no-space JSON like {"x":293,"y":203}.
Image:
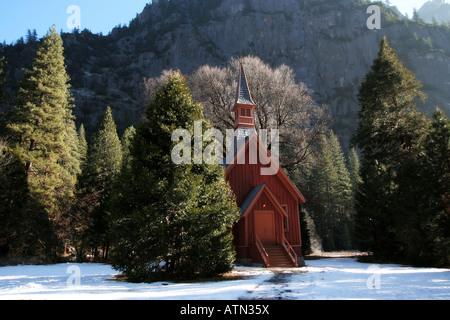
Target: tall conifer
{"x":43,"y":125}
{"x":389,"y":134}
{"x":429,"y":188}
{"x":171,"y":220}
{"x":102,"y":166}
{"x":3,"y":80}
{"x":126,"y":140}
{"x":82,"y":144}
{"x":353,"y":169}
{"x":333,"y":200}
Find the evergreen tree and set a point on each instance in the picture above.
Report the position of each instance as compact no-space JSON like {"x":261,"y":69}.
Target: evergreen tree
{"x":437,"y":161}
{"x":389,"y":134}
{"x":3,"y":81}
{"x":78,"y":217}
{"x":171,"y":220}
{"x":126,"y":140}
{"x":104,"y":160}
{"x":429,"y":193}
{"x":333,"y":204}
{"x":31,"y":36}
{"x":416,"y":17}
{"x":82,"y":144}
{"x":71,"y":160}
{"x":353,"y":169}
{"x":42,"y":125}
{"x":23,"y":231}
{"x":306,"y":237}
{"x":13,"y":190}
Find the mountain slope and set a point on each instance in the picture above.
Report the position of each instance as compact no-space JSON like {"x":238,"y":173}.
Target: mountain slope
{"x":435,"y":11}
{"x":326,"y":42}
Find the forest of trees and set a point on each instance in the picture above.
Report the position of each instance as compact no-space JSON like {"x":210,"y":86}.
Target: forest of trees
{"x":122,"y":200}
{"x":63,"y":196}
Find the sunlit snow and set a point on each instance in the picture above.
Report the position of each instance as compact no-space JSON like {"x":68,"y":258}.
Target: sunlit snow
{"x":335,"y":278}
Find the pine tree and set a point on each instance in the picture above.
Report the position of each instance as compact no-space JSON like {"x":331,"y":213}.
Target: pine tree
{"x":71,"y":160}
{"x":333,"y":210}
{"x":437,"y":148}
{"x":104,"y":160}
{"x":43,"y":126}
{"x":389,"y":134}
{"x":82,"y":144}
{"x":171,"y":220}
{"x":13,"y":190}
{"x":126,"y":140}
{"x":104,"y":157}
{"x":40,"y":124}
{"x":416,"y":17}
{"x":306,"y":237}
{"x":31,"y":36}
{"x":3,"y":81}
{"x":431,"y":239}
{"x":23,"y":231}
{"x":353,"y":169}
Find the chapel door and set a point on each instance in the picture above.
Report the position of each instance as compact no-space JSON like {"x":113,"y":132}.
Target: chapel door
{"x":265,"y":227}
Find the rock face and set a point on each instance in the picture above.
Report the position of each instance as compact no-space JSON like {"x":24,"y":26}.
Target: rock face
{"x":326,"y":42}
{"x":435,"y":11}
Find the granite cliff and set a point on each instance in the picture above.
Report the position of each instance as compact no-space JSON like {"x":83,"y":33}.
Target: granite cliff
{"x":326,"y":42}
{"x":435,"y":11}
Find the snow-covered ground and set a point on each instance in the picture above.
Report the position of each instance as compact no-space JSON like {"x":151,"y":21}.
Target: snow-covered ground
{"x":335,"y":278}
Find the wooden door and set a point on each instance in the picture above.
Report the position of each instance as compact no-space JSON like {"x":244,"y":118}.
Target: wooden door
{"x":265,"y":227}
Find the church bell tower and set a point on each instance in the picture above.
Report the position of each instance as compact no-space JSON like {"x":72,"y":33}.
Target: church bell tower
{"x":244,"y":105}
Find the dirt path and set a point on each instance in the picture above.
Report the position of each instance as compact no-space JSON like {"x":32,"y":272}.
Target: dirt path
{"x":281,"y":284}
{"x":275,"y":288}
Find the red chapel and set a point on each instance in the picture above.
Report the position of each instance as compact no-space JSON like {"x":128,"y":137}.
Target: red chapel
{"x":268,"y":230}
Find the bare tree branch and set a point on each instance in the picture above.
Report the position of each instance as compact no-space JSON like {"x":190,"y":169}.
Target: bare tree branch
{"x":281,"y":103}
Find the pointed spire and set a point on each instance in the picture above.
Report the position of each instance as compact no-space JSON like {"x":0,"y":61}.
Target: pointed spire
{"x":243,"y":109}
{"x":243,"y":95}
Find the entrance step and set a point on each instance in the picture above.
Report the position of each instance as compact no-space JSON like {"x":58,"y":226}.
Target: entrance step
{"x":278,"y":257}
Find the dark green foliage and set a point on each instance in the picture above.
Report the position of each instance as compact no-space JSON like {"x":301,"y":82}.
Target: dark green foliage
{"x":171,"y":221}
{"x":400,"y":205}
{"x":3,"y":81}
{"x":389,"y":132}
{"x":104,"y":156}
{"x":306,"y":237}
{"x":102,"y":166}
{"x":427,"y":184}
{"x":387,"y":97}
{"x":42,"y":127}
{"x":126,"y":140}
{"x":332,"y":203}
{"x":13,"y":190}
{"x":82,"y":144}
{"x":3,"y":94}
{"x":353,"y":169}
{"x":437,"y":162}
{"x":25,"y":230}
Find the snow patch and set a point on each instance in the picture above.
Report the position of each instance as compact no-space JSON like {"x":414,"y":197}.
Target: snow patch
{"x":332,"y":278}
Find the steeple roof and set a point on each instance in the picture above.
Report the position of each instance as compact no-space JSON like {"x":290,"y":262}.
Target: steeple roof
{"x":243,"y":95}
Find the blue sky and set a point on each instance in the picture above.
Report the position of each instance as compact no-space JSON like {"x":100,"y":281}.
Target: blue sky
{"x":17,"y":16}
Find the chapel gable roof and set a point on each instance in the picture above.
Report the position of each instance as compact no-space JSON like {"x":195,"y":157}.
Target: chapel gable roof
{"x":239,"y":157}
{"x":255,"y":194}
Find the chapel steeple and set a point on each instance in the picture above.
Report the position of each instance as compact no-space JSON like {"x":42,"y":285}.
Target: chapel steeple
{"x":244,"y":105}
